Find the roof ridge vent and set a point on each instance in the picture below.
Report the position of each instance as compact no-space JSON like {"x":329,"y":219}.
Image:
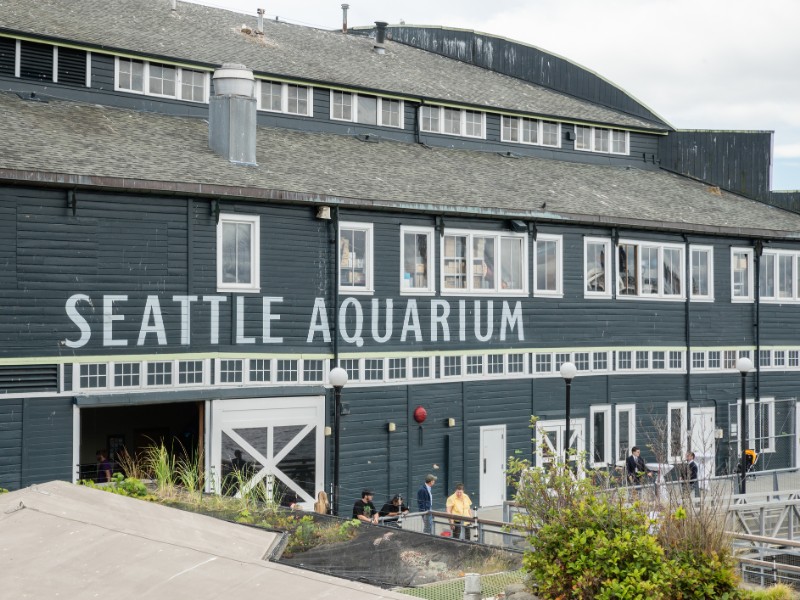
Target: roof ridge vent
{"x":380,"y":37}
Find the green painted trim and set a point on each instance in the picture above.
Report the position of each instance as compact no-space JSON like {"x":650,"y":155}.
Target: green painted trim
{"x":165,"y":61}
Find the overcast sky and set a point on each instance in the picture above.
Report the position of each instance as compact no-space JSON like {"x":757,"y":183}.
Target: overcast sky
{"x":700,"y":64}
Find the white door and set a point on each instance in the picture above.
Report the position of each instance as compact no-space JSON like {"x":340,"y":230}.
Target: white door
{"x":551,"y":442}
{"x":275,"y":442}
{"x":493,"y":465}
{"x":703,"y":440}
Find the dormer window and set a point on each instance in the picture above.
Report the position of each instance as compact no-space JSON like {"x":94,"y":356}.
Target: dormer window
{"x":452,"y":121}
{"x":599,"y":139}
{"x":289,"y":98}
{"x":156,"y":79}
{"x":366,"y":109}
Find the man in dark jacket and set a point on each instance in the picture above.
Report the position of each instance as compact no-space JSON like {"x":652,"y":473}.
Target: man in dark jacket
{"x":635,"y":467}
{"x":692,"y":480}
{"x":425,"y":502}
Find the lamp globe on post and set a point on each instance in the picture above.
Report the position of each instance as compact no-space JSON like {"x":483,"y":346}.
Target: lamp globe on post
{"x":338,"y":379}
{"x":744,"y":365}
{"x":568,"y":371}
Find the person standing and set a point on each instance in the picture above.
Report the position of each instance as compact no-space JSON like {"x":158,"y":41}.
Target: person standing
{"x":459,"y":504}
{"x":364,"y":510}
{"x":425,"y":502}
{"x":104,"y":467}
{"x":692,"y":475}
{"x":635,"y":467}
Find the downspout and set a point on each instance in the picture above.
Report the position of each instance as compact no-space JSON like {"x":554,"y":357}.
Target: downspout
{"x":687,"y":329}
{"x":758,"y":250}
{"x":335,"y":321}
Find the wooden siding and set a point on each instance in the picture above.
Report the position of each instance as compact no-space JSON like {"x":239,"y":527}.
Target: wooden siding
{"x":737,"y":161}
{"x":10,"y":443}
{"x":46,"y":440}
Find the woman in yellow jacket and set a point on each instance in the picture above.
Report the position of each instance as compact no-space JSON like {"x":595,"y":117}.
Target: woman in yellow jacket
{"x":459,"y":504}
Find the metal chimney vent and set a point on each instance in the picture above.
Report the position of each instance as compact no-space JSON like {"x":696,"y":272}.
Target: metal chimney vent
{"x":344,"y":17}
{"x":380,"y":37}
{"x":232,"y":114}
{"x":260,"y":26}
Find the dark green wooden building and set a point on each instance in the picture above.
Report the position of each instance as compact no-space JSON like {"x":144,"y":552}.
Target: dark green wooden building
{"x":447,"y":215}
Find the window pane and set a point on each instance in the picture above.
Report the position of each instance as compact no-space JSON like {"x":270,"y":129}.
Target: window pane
{"x":298,"y":100}
{"x":650,"y":270}
{"x":785,"y":275}
{"x":599,"y":437}
{"x":271,"y":96}
{"x":430,"y":118}
{"x":483,"y":263}
{"x":131,"y":75}
{"x":510,"y":129}
{"x":549,"y":133}
{"x":624,"y":360}
{"x":343,"y":106}
{"x":236,"y":251}
{"x":618,"y":142}
{"x":126,"y":374}
{"x":547,"y":265}
{"x":767,"y":276}
{"x":628,"y":269}
{"x":353,"y":257}
{"x":452,"y":121}
{"x":601,"y":140}
{"x":474,"y":365}
{"x":624,"y":434}
{"x":373,"y":369}
{"x":312,"y":370}
{"x":700,"y":273}
{"x":676,"y":433}
{"x":415,"y":260}
{"x":452,"y":366}
{"x":583,"y":138}
{"x":530,"y":131}
{"x":193,"y":85}
{"x":741,"y":274}
{"x":368,"y":110}
{"x":390,"y":112}
{"x":230,"y":371}
{"x":512,"y":271}
{"x":286,"y":370}
{"x":595,"y":267}
{"x":474,"y":123}
{"x":162,"y":80}
{"x":495,"y":364}
{"x":397,"y":368}
{"x":600,"y":361}
{"x":455,"y":262}
{"x":673,"y":270}
{"x":544,"y":363}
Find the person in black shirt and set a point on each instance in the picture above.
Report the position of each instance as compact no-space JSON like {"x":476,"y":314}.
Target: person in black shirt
{"x":364,"y":510}
{"x":393,"y":510}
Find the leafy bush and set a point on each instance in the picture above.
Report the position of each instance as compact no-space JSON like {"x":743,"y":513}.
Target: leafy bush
{"x":3,"y":491}
{"x":589,"y":541}
{"x":120,"y":485}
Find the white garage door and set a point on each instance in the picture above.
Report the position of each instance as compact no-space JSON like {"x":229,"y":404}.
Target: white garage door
{"x":275,"y":442}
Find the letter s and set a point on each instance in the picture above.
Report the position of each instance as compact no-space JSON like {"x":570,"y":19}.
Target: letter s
{"x":77,"y":318}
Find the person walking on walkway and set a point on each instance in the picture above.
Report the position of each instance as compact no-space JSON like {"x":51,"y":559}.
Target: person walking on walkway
{"x":425,"y":502}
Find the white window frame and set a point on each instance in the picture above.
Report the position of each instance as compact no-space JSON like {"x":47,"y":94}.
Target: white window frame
{"x":470,"y":290}
{"x":443,"y":367}
{"x":631,"y":428}
{"x":368,"y":286}
{"x":748,"y":252}
{"x":776,"y":298}
{"x":143,"y":366}
{"x":285,"y":98}
{"x":606,"y":243}
{"x":559,"y":291}
{"x":463,"y":121}
{"x":611,"y":131}
{"x":255,"y":249}
{"x":709,"y":250}
{"x":178,"y":95}
{"x":537,"y":123}
{"x":430,"y":289}
{"x":768,"y":443}
{"x":354,"y":109}
{"x":682,"y":407}
{"x":660,"y":294}
{"x":608,"y":454}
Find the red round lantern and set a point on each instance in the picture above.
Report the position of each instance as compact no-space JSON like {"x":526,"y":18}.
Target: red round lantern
{"x":420,"y":414}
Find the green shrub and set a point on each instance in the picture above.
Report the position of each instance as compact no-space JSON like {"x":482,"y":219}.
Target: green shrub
{"x":3,"y":491}
{"x":779,"y":591}
{"x":120,"y":485}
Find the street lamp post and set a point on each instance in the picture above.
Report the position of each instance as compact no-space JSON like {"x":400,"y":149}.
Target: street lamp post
{"x":568,"y":372}
{"x":337,"y":378}
{"x":744,"y":365}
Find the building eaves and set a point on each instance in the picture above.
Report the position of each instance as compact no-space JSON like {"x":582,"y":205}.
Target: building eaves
{"x":76,"y":145}
{"x":212,"y":36}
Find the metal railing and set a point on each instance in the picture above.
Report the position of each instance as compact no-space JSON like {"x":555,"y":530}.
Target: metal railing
{"x":473,"y":529}
{"x":767,"y":560}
